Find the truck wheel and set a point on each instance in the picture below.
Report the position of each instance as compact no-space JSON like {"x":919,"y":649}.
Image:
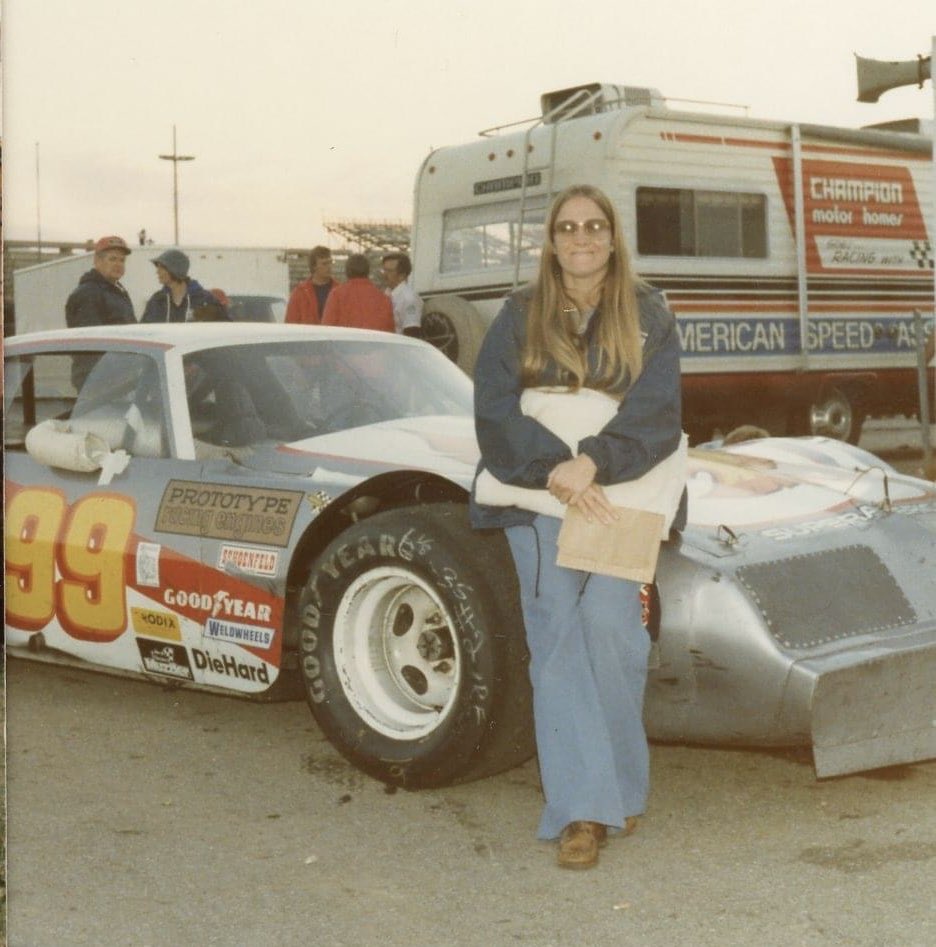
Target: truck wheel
{"x":455,"y":327}
{"x":838,"y":414}
{"x":412,"y":649}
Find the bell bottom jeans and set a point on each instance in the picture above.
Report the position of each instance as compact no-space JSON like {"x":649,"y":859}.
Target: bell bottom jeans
{"x":588,"y":665}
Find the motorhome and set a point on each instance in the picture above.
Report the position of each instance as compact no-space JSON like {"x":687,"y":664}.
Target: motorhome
{"x":793,"y":255}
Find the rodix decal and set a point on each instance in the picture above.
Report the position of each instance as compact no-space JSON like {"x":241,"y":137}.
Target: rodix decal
{"x":155,"y":624}
{"x":219,"y":511}
{"x":255,"y":561}
{"x":230,"y":666}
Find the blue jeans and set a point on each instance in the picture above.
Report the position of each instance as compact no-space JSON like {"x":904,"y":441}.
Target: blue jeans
{"x":588,"y":664}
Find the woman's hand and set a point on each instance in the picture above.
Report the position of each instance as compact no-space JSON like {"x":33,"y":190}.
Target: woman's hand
{"x":573,"y":482}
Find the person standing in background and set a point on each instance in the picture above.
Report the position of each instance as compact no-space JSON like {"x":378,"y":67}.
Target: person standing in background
{"x":307,"y":301}
{"x":358,"y":303}
{"x":407,"y":306}
{"x":180,"y":295}
{"x":100,"y":299}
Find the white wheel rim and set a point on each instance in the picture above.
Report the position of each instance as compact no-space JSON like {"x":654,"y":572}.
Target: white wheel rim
{"x":396,"y":653}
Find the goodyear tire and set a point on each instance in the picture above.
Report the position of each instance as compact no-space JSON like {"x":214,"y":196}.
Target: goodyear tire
{"x":412,"y":650}
{"x":454,"y":327}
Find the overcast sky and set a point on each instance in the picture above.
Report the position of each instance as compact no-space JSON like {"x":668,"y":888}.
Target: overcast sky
{"x":299,"y":110}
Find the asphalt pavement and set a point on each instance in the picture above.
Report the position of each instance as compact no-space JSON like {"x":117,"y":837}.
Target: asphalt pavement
{"x":147,"y":816}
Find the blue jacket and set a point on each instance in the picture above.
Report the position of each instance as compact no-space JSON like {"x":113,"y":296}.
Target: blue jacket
{"x":519,"y":450}
{"x":98,"y":302}
{"x":159,"y":305}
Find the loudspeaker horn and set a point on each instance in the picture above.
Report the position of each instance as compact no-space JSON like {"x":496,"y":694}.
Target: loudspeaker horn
{"x":875,"y":76}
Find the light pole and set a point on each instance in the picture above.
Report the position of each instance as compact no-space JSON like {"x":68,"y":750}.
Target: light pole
{"x":175,"y":158}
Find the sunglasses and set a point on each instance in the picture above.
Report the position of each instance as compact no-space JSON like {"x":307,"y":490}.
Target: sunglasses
{"x":593,"y":227}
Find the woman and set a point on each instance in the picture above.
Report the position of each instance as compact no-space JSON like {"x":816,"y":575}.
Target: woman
{"x":586,"y":322}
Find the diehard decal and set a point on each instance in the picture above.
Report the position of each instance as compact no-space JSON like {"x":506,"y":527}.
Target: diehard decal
{"x":229,"y":666}
{"x":254,"y":561}
{"x":165,"y":659}
{"x":147,"y":564}
{"x":252,"y":635}
{"x":222,"y":512}
{"x":154,"y":624}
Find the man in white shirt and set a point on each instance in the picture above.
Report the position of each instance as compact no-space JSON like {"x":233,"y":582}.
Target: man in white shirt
{"x":407,"y":306}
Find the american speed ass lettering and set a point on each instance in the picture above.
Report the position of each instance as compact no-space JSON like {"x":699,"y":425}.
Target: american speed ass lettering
{"x":781,"y":336}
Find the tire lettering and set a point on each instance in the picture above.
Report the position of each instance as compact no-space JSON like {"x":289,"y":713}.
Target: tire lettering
{"x":365,"y":548}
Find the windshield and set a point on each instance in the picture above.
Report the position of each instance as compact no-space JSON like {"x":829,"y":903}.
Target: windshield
{"x":243,"y":394}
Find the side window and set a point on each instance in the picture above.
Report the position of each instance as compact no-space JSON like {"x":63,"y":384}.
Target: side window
{"x":683,"y":222}
{"x":118,"y":397}
{"x":36,"y":388}
{"x":489,"y":236}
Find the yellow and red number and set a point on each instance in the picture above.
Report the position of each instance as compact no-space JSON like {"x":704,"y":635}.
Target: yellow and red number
{"x":88,"y":543}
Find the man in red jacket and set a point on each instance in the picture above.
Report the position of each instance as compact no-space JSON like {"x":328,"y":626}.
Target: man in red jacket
{"x":307,"y":302}
{"x":358,"y":303}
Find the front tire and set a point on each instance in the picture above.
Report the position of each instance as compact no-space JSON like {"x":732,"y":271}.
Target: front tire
{"x":412,"y":650}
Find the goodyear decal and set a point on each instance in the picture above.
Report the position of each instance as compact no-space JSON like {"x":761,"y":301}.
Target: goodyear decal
{"x":219,"y":511}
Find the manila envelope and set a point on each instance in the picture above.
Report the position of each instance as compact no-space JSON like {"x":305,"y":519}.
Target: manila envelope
{"x":627,"y":548}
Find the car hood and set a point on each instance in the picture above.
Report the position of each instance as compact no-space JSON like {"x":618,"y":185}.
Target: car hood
{"x":445,"y":445}
{"x":783,"y":480}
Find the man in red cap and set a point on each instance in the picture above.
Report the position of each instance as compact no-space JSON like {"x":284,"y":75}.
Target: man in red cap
{"x":100,"y":299}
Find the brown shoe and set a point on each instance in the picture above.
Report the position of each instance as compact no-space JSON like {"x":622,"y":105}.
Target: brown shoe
{"x":579,"y":844}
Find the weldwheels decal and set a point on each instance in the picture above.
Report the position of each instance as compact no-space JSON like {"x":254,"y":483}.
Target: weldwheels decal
{"x":412,"y":648}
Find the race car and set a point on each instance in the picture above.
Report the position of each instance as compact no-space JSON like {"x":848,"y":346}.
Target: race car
{"x":280,"y":510}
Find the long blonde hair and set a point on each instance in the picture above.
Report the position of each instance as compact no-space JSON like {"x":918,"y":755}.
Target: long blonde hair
{"x":551,"y":335}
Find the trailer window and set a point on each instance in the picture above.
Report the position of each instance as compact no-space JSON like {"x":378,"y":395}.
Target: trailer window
{"x":489,"y":237}
{"x":682,"y":222}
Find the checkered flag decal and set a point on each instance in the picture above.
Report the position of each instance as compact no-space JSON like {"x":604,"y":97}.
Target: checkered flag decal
{"x":922,"y":252}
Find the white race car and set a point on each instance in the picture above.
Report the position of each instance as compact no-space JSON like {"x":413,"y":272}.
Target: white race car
{"x":271,"y":509}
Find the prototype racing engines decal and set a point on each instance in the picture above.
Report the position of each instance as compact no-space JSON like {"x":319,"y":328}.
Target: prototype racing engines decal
{"x":219,"y":511}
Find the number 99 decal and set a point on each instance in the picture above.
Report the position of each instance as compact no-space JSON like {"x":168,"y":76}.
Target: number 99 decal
{"x":88,"y":543}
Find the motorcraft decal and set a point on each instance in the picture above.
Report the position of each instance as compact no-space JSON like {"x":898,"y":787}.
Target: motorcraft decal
{"x":220,"y":511}
{"x":165,"y":659}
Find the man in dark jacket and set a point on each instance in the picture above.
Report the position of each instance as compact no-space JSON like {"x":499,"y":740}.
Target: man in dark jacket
{"x":100,"y":299}
{"x":180,"y":295}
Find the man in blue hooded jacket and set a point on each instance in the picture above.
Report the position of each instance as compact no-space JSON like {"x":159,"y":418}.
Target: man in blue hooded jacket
{"x":180,"y":295}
